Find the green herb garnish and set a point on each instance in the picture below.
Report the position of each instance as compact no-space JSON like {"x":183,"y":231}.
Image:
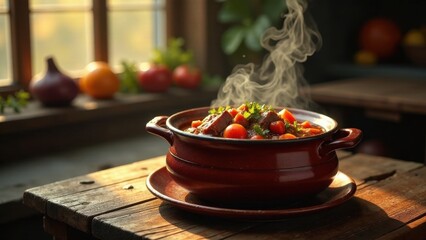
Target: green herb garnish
{"x":259,"y":131}
{"x":219,"y":110}
{"x":255,"y":110}
{"x":297,"y":127}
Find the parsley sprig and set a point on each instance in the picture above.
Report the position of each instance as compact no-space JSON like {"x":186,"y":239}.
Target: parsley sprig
{"x":255,"y":110}
{"x":219,"y":110}
{"x":259,"y":130}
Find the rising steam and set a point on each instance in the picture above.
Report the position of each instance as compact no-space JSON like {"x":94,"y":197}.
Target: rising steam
{"x":278,"y":80}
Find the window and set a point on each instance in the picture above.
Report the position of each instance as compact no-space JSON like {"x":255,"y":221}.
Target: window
{"x":5,"y":59}
{"x":75,"y":32}
{"x":61,"y":29}
{"x":132,"y":19}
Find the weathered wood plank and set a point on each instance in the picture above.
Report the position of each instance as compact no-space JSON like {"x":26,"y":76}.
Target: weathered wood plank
{"x":79,"y":208}
{"x":120,"y":206}
{"x":376,"y":210}
{"x":142,"y":221}
{"x":363,"y":167}
{"x":155,"y":220}
{"x":37,"y":197}
{"x":415,"y":230}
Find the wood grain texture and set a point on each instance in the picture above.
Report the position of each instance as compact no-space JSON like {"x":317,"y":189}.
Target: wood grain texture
{"x":390,"y":202}
{"x":363,"y":167}
{"x":38,"y":197}
{"x":383,"y":207}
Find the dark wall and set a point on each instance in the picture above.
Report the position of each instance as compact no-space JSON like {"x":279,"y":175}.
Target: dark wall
{"x":339,"y":23}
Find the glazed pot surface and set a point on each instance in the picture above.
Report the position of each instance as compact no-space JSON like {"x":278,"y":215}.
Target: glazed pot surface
{"x":251,"y":186}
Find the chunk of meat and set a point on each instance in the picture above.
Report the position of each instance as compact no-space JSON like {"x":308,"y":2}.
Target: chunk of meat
{"x":267,"y":117}
{"x":216,"y":125}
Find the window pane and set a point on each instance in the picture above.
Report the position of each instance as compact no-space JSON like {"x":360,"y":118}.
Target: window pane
{"x":3,"y":4}
{"x":135,"y":31}
{"x":58,"y":3}
{"x":114,"y":3}
{"x":5,"y":57}
{"x":66,"y":36}
{"x":130,"y":41}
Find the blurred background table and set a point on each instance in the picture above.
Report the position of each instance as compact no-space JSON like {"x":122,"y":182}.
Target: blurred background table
{"x":390,"y":111}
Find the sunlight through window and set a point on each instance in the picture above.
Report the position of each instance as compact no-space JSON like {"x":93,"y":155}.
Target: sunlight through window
{"x":5,"y":59}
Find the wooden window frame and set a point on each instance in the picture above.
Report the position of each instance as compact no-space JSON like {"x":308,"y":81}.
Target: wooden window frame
{"x":19,"y":12}
{"x":196,"y":22}
{"x":202,"y":38}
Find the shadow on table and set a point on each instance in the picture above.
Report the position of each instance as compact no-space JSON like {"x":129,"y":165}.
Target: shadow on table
{"x":355,"y":219}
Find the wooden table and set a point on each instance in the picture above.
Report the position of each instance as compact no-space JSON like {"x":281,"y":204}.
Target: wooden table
{"x":390,"y":203}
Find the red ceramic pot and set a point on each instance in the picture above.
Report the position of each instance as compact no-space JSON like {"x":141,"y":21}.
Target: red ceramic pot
{"x":234,"y":170}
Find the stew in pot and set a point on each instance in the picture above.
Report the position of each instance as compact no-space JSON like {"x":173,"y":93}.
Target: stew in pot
{"x":253,"y":121}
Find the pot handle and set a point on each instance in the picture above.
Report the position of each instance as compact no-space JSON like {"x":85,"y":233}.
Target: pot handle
{"x":343,"y":138}
{"x":157,"y":126}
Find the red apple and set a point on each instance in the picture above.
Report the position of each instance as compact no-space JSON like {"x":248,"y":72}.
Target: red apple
{"x":187,"y":76}
{"x":157,"y":78}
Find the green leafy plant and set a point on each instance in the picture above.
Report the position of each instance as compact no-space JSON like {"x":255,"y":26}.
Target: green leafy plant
{"x":16,"y":101}
{"x":212,"y":81}
{"x":128,"y":78}
{"x":174,"y":55}
{"x":248,"y":19}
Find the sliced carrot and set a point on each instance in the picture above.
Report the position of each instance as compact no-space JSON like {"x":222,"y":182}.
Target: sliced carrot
{"x":306,"y":124}
{"x":287,"y":116}
{"x":314,"y":131}
{"x":196,"y":123}
{"x":242,"y":108}
{"x":240,"y":119}
{"x":233,"y":111}
{"x":287,"y":136}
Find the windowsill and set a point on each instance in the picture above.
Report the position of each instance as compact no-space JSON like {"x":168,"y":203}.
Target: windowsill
{"x":85,"y":108}
{"x":40,"y":130}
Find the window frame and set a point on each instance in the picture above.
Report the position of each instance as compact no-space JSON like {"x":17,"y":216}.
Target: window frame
{"x":19,"y":15}
{"x":204,"y":40}
{"x":21,"y":55}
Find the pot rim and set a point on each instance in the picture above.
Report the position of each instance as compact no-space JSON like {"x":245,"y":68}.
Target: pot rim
{"x":295,"y":111}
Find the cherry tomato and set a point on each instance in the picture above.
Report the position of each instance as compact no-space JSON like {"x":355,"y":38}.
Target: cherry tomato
{"x":156,"y":79}
{"x":235,"y":130}
{"x":187,"y":76}
{"x":287,"y":136}
{"x":287,"y":115}
{"x":277,"y":127}
{"x":257,"y":137}
{"x":240,"y":119}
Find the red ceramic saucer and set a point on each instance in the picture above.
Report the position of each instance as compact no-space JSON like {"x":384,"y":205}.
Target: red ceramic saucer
{"x":162,"y":186}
